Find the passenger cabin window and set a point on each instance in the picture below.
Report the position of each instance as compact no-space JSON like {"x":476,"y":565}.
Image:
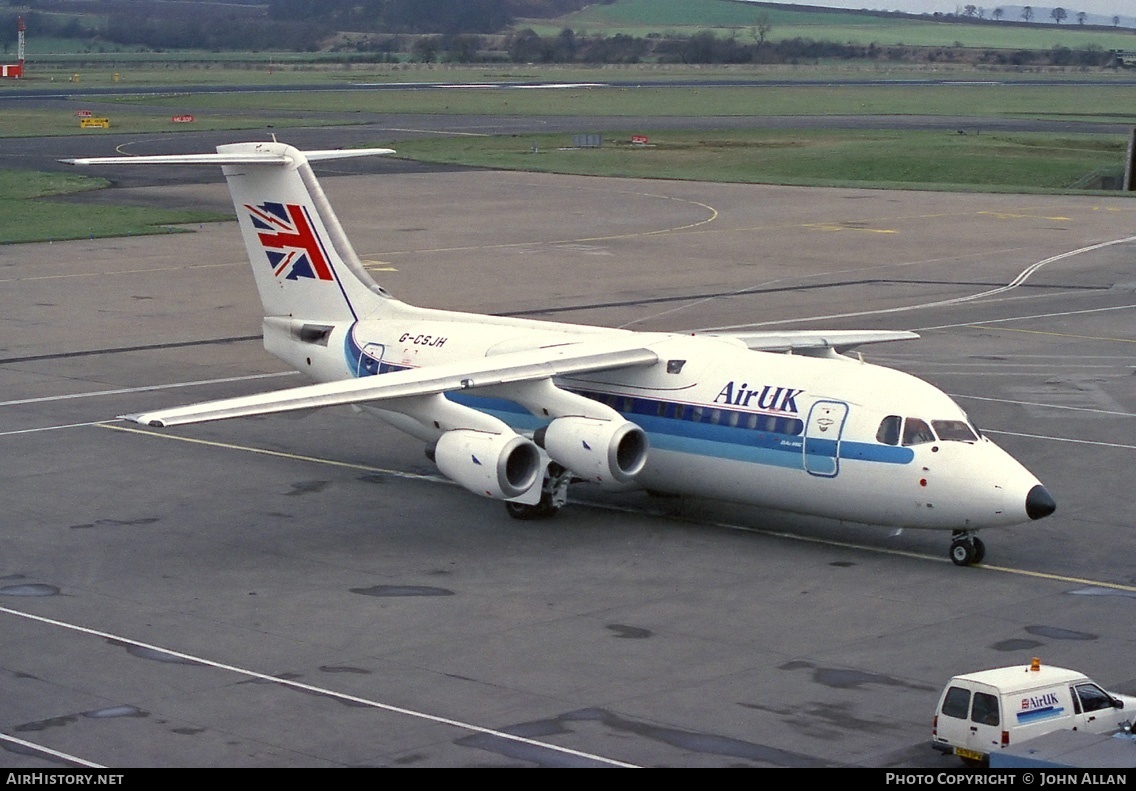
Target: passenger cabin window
{"x":669,"y":410}
{"x":985,"y":709}
{"x":954,"y":431}
{"x":888,"y":432}
{"x":957,"y":703}
{"x":916,"y":432}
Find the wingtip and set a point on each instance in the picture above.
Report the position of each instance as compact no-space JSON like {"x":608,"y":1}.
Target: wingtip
{"x":143,"y":420}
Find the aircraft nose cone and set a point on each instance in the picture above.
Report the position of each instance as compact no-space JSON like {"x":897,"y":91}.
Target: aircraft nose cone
{"x":1039,"y":502}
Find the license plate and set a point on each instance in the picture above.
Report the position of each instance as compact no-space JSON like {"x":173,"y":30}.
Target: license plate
{"x":973,"y":755}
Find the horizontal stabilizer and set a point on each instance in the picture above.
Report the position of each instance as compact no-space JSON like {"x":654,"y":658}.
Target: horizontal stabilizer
{"x":500,"y":370}
{"x":242,"y":158}
{"x":301,"y":258}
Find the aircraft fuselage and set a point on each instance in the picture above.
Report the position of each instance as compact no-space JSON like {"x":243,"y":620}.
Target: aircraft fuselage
{"x":782,"y":431}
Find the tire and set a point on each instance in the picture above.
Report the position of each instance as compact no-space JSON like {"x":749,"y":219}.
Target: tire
{"x":527,"y":513}
{"x":962,"y":553}
{"x":979,"y":550}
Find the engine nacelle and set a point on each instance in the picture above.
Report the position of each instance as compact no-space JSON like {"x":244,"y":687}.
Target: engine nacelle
{"x":597,"y":450}
{"x":501,"y":466}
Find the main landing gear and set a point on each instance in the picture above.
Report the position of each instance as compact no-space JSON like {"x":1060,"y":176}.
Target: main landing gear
{"x":966,"y":548}
{"x":553,"y":495}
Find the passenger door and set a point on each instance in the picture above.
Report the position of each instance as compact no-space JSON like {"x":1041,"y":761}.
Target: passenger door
{"x":370,"y":359}
{"x":1095,"y":709}
{"x":821,"y":445}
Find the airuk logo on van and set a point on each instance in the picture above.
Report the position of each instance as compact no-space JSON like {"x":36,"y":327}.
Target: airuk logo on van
{"x":290,"y":241}
{"x":1040,"y":707}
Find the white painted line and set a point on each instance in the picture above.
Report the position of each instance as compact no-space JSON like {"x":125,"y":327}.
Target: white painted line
{"x":445,"y":132}
{"x":39,"y":749}
{"x":1046,"y":406}
{"x":1061,"y":439}
{"x":52,"y":428}
{"x":1026,"y":318}
{"x":320,"y":690}
{"x":1020,"y":279}
{"x":967,"y":366}
{"x":147,"y":388}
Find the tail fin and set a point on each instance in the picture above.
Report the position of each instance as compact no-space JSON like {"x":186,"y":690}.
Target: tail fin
{"x":302,"y":261}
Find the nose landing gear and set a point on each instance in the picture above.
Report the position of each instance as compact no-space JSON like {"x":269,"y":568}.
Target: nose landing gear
{"x":967,"y":549}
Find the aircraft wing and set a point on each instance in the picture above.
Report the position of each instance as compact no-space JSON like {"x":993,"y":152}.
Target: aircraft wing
{"x":524,"y":366}
{"x":809,"y":340}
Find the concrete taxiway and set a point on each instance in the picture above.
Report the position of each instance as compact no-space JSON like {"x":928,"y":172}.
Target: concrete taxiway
{"x":307,"y":591}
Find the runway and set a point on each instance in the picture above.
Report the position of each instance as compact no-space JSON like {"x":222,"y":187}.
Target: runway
{"x":308,"y":591}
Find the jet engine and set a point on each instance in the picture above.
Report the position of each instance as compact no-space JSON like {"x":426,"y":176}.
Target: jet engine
{"x":595,"y":449}
{"x":502,"y":466}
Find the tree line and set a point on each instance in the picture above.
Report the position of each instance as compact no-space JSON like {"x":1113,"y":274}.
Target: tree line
{"x":247,"y":28}
{"x":526,"y":46}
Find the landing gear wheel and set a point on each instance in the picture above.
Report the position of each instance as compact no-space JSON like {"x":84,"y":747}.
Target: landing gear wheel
{"x":526,"y":512}
{"x":979,"y":550}
{"x":963,"y":551}
{"x":553,"y":496}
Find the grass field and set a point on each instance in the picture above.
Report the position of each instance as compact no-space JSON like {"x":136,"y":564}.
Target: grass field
{"x":921,"y":160}
{"x":280,"y":110}
{"x":879,"y":159}
{"x":1043,"y":101}
{"x":60,"y":58}
{"x":642,"y":17}
{"x":31,"y":211}
{"x":177,"y":74}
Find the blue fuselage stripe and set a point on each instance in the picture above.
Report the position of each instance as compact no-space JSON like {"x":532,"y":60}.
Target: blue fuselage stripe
{"x":671,"y":431}
{"x":704,"y":439}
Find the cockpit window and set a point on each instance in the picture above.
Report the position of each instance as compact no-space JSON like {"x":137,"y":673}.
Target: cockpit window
{"x":888,"y":432}
{"x":916,"y":432}
{"x":954,"y":431}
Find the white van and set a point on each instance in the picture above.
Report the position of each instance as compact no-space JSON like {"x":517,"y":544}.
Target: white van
{"x":981,"y":713}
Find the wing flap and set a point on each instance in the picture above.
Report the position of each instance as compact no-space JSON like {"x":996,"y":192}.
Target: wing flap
{"x":499,"y":370}
{"x":808,"y":340}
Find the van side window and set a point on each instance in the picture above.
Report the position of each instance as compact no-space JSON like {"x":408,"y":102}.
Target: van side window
{"x":985,"y":709}
{"x":957,"y":703}
{"x":1093,"y":698}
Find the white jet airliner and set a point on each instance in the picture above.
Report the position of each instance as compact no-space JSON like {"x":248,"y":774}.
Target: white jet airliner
{"x":516,"y":409}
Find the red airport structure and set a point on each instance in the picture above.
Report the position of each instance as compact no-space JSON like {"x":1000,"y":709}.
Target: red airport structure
{"x":16,"y":70}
